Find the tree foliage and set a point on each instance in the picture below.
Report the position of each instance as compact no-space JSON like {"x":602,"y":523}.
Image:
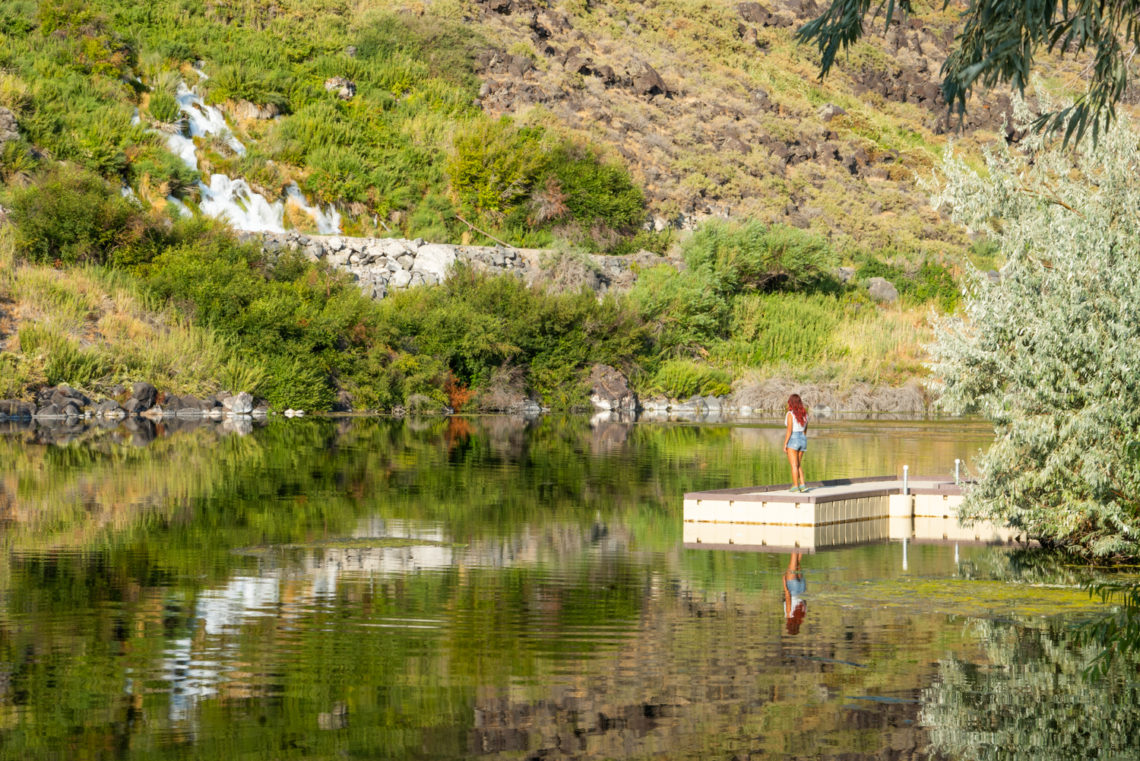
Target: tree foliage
{"x":999,"y":42}
{"x":1050,"y":353}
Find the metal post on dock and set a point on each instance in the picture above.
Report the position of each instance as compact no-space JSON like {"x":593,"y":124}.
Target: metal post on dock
{"x":957,"y":470}
{"x":906,"y":475}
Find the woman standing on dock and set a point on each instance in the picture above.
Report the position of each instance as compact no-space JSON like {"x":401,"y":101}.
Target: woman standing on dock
{"x":795,"y":440}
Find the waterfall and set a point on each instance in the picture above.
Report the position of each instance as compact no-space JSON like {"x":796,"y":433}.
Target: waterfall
{"x":232,"y":199}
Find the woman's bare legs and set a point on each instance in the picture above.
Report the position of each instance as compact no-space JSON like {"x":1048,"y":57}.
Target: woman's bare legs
{"x":800,"y":467}
{"x":794,"y":457}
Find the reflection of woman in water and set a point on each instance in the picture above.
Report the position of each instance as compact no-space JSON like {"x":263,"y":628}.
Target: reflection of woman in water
{"x":794,"y":588}
{"x":795,"y":440}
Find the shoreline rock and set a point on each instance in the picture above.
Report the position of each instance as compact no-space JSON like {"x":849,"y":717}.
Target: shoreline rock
{"x":145,"y":401}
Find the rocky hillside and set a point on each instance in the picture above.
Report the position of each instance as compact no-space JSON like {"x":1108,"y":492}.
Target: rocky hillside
{"x":720,"y":113}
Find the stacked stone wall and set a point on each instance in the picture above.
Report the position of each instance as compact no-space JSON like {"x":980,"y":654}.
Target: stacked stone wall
{"x":383,"y":265}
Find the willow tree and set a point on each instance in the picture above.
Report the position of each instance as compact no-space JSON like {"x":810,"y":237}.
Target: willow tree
{"x":999,"y":41}
{"x":1050,"y":351}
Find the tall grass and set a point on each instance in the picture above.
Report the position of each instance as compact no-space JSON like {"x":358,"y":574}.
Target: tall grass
{"x":92,"y":328}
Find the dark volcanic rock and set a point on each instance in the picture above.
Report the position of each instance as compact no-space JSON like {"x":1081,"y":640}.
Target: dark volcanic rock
{"x":754,"y":13}
{"x":50,"y":411}
{"x":109,"y":408}
{"x":520,"y":65}
{"x":144,"y":395}
{"x":649,"y":82}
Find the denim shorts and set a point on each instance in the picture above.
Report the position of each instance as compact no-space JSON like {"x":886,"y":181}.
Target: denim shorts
{"x":798,"y":440}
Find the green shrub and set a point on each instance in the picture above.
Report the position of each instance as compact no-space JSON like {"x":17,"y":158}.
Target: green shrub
{"x":596,"y":192}
{"x":164,"y":107}
{"x":162,"y":171}
{"x":473,"y":325}
{"x":753,"y":256}
{"x":930,"y":283}
{"x":445,"y":49}
{"x":16,"y":160}
{"x":249,"y":82}
{"x":680,"y":379}
{"x":688,"y":309}
{"x":495,"y":166}
{"x":71,"y":216}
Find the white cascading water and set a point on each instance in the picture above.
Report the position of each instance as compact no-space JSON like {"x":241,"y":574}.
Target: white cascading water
{"x":233,"y":199}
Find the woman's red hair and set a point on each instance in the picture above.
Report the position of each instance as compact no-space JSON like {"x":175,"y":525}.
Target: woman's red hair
{"x":796,"y":406}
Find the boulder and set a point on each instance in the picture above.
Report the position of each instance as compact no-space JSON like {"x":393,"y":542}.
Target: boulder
{"x":63,"y":395}
{"x":829,"y":111}
{"x":609,"y":390}
{"x":50,"y":411}
{"x":754,"y":13}
{"x":341,"y":87}
{"x":435,"y":259}
{"x":400,"y":279}
{"x":154,"y":413}
{"x":649,"y":82}
{"x":107,"y":408}
{"x":244,"y":110}
{"x":520,"y":65}
{"x":144,"y":394}
{"x":882,"y":290}
{"x":238,"y":404}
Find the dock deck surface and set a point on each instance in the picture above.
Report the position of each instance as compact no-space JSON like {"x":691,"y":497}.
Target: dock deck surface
{"x":833,"y":490}
{"x":832,"y":513}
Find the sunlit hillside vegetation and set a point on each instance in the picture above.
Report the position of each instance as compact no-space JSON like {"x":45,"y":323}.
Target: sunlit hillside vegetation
{"x":104,"y":283}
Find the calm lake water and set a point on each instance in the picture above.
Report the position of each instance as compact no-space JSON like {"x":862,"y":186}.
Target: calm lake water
{"x":491,"y":588}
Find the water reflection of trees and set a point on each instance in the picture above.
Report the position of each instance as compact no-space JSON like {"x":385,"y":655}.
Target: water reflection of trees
{"x":1029,"y":698}
{"x":564,"y":612}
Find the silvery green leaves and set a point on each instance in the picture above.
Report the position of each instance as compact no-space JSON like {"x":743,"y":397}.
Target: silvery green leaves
{"x":1050,"y":352}
{"x":998,"y":44}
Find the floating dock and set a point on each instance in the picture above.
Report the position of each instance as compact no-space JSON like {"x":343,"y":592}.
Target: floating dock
{"x":835,"y":513}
